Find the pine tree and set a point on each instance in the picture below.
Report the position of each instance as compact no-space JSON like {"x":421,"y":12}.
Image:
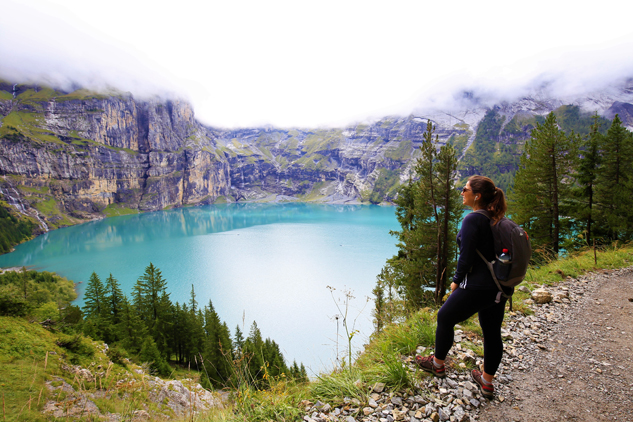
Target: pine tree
{"x":94,"y":298}
{"x":542,"y":185}
{"x":428,"y":211}
{"x":447,"y":215}
{"x":217,"y":348}
{"x":113,"y":299}
{"x":253,"y":348}
{"x":96,"y":322}
{"x":149,"y":354}
{"x":583,"y":205}
{"x":614,"y":183}
{"x":152,"y":301}
{"x":131,"y":329}
{"x":239,"y":341}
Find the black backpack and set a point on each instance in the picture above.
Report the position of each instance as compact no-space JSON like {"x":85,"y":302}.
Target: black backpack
{"x":508,"y":235}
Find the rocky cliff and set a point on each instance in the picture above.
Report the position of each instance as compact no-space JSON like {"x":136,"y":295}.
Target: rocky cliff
{"x":66,"y":157}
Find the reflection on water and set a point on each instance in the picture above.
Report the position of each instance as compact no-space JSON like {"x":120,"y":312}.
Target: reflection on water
{"x":265,"y":262}
{"x":148,"y":227}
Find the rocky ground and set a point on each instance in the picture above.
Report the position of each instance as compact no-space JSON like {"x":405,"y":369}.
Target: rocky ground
{"x":570,"y":360}
{"x":168,"y":398}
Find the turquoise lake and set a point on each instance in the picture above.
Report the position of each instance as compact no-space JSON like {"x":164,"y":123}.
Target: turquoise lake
{"x":269,"y":263}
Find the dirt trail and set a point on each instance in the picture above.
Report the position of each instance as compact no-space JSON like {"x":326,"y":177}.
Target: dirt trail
{"x":583,"y":371}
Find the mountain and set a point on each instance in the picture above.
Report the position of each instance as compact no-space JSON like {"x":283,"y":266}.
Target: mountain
{"x":68,"y":157}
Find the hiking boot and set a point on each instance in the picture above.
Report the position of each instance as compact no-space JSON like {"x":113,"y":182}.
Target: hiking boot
{"x":426,"y":364}
{"x":488,"y":391}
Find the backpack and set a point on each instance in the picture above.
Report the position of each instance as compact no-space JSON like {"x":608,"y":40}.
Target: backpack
{"x":508,"y":235}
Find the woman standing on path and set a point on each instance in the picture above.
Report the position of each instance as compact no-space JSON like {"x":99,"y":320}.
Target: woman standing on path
{"x":473,"y":289}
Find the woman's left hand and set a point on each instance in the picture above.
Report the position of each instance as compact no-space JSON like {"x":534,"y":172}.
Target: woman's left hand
{"x":454,"y":286}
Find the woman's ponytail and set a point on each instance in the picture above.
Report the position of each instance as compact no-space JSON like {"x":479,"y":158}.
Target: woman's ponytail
{"x":492,"y":199}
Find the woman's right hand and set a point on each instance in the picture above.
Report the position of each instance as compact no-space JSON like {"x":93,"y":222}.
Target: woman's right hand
{"x":454,"y":286}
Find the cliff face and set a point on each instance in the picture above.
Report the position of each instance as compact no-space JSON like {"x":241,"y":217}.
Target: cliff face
{"x":78,"y":156}
{"x":68,"y":157}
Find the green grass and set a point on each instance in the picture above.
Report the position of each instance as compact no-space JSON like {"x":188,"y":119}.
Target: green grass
{"x":399,"y":151}
{"x":113,"y":210}
{"x":81,"y":94}
{"x":608,"y":257}
{"x":27,"y":125}
{"x":334,"y":387}
{"x":25,"y":367}
{"x":54,"y":216}
{"x":32,"y":96}
{"x":4,"y":95}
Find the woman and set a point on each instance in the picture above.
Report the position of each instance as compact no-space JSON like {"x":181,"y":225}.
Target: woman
{"x":473,"y":289}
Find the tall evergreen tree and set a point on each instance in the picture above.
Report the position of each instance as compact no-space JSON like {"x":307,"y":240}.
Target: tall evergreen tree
{"x":239,"y":341}
{"x":113,"y":299}
{"x":428,"y":212}
{"x":94,"y":298}
{"x":131,"y":329}
{"x":583,"y":205}
{"x":614,"y":183}
{"x":448,"y":213}
{"x":152,"y":301}
{"x":253,"y":353}
{"x":218,"y":348}
{"x":542,"y":184}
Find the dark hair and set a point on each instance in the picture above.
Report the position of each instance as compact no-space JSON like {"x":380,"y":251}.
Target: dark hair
{"x":492,"y":198}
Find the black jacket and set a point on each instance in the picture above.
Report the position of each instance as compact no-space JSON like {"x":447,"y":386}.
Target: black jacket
{"x":472,"y":272}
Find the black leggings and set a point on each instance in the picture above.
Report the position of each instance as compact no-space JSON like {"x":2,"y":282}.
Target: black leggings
{"x":461,"y":305}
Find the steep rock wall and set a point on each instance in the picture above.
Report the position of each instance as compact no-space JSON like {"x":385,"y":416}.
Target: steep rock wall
{"x":92,"y":152}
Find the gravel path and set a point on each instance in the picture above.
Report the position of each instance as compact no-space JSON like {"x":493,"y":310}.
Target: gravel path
{"x":571,"y":361}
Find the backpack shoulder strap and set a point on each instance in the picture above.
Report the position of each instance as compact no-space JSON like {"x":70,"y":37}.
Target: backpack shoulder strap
{"x":494,"y":277}
{"x":483,"y":212}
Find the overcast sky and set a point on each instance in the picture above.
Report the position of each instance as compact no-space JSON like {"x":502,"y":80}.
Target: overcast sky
{"x":317,"y":63}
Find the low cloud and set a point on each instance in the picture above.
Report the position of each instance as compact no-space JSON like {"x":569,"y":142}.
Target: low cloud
{"x":285,"y":64}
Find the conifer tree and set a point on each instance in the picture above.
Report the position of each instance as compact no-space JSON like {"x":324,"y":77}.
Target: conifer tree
{"x":543,"y":184}
{"x":583,"y":205}
{"x":131,"y":329}
{"x":253,"y":348}
{"x":614,"y":183}
{"x":113,"y":299}
{"x":94,"y":298}
{"x":152,"y":301}
{"x":239,"y":341}
{"x":217,"y":353}
{"x":149,"y":354}
{"x":96,"y":322}
{"x":428,"y":211}
{"x":448,"y":213}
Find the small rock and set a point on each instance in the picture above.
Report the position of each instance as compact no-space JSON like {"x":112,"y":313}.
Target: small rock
{"x":541,"y":296}
{"x":435,"y":417}
{"x":368,"y":411}
{"x":379,"y":387}
{"x":470,"y":386}
{"x":398,"y":415}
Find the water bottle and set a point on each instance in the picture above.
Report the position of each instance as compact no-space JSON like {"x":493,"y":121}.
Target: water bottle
{"x":504,"y":258}
{"x":503,"y":264}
